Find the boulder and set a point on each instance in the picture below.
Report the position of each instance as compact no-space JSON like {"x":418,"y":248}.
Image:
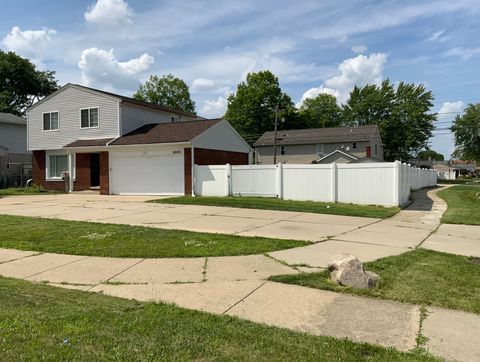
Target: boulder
{"x":347,"y":270}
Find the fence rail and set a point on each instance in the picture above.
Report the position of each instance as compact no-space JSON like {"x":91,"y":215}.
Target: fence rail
{"x":383,"y":183}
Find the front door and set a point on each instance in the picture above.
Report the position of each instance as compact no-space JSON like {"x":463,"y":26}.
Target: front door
{"x":94,"y":170}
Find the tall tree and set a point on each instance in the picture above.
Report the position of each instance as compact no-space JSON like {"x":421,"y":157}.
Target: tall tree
{"x":21,"y":84}
{"x":168,"y":91}
{"x":401,"y":114}
{"x":321,"y":111}
{"x":431,"y":155}
{"x":251,"y":108}
{"x":466,"y":129}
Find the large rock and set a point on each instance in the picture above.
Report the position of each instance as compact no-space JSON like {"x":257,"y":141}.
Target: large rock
{"x":347,"y":270}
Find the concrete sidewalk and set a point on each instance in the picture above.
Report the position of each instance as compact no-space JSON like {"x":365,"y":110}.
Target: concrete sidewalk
{"x":237,"y":286}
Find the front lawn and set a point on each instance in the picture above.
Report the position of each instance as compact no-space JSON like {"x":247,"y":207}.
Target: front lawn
{"x":269,"y":203}
{"x":463,"y":205}
{"x":96,"y":239}
{"x":420,"y":277}
{"x":39,"y":322}
{"x":16,"y":191}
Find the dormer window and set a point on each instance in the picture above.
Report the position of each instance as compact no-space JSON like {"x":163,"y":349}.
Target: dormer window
{"x":89,"y":118}
{"x":50,"y":121}
{"x":174,"y":119}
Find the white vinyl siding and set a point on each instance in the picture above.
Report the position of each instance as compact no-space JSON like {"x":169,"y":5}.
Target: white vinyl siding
{"x":89,"y":118}
{"x":221,"y":137}
{"x":68,"y":103}
{"x":174,"y":119}
{"x":50,"y":121}
{"x":14,"y":138}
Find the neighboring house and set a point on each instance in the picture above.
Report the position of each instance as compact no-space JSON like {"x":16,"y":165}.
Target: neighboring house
{"x":444,"y":170}
{"x":322,"y":145}
{"x":123,"y":146}
{"x":465,"y":167}
{"x":15,"y":159}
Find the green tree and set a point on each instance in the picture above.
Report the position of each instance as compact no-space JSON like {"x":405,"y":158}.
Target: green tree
{"x":251,"y":109}
{"x":430,"y":155}
{"x":167,"y":91}
{"x":466,"y":129}
{"x":21,"y":84}
{"x":401,"y":114}
{"x":321,"y":111}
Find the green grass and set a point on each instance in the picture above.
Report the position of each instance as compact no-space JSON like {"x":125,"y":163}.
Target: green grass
{"x":16,"y":191}
{"x":463,"y":205}
{"x":421,"y":277}
{"x":40,"y":322}
{"x":96,"y":239}
{"x":460,"y":181}
{"x":268,"y":203}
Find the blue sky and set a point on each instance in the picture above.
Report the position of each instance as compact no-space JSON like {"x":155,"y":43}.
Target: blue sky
{"x":312,"y":46}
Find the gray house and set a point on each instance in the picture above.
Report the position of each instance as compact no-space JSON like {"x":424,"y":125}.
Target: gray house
{"x":121,"y":145}
{"x":15,"y":160}
{"x":322,"y":145}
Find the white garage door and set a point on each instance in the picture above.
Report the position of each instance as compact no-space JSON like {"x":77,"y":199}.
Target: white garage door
{"x":147,"y":172}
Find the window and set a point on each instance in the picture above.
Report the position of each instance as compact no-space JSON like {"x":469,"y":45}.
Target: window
{"x":375,"y":148}
{"x":89,"y":117}
{"x":174,"y":119}
{"x":320,"y":149}
{"x":57,"y":165}
{"x":50,"y":121}
{"x":282,"y":150}
{"x":354,"y":146}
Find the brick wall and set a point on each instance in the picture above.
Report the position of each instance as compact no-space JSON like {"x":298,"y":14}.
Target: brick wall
{"x":104,"y":174}
{"x":38,"y":173}
{"x":209,"y":157}
{"x":82,"y":164}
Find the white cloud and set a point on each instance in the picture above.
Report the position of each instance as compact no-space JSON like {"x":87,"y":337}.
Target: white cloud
{"x":464,"y":53}
{"x":450,"y":110}
{"x":214,"y":108}
{"x":438,"y":36}
{"x":360,"y":70}
{"x":200,"y":85}
{"x":359,"y":49}
{"x":30,"y":44}
{"x":109,"y":13}
{"x":101,"y":68}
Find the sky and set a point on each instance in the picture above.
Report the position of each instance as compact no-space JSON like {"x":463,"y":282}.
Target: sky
{"x":313,"y":47}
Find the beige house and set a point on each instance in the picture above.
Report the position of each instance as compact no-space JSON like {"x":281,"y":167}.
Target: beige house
{"x":322,"y":145}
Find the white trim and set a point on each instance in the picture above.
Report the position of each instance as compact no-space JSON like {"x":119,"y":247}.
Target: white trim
{"x":88,"y":109}
{"x":331,"y":153}
{"x":49,"y":153}
{"x":51,"y":130}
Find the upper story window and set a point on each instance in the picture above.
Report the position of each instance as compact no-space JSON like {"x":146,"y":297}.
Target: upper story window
{"x":174,"y":119}
{"x":320,"y":149}
{"x":50,"y":121}
{"x":354,"y":145}
{"x":89,"y":118}
{"x":283,"y":150}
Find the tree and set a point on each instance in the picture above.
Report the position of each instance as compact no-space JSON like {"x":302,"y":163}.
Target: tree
{"x":167,"y":91}
{"x":466,"y":129}
{"x":251,"y":110}
{"x":430,"y":155}
{"x":321,"y":111}
{"x":401,"y":114}
{"x":21,"y":84}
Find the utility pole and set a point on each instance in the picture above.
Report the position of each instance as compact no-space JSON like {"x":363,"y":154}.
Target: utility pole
{"x":275,"y":137}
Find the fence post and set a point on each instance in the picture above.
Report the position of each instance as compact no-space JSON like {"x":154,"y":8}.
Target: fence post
{"x":333,"y":171}
{"x":279,"y":180}
{"x":228,"y":179}
{"x":396,"y":184}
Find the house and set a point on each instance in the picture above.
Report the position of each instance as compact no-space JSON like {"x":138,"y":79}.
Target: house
{"x":120,"y":145}
{"x":15,"y":159}
{"x":322,"y":145}
{"x":444,"y":170}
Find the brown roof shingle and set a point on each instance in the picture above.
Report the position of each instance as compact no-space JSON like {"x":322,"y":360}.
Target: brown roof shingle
{"x":165,"y":133}
{"x":89,"y":143}
{"x":318,"y":135}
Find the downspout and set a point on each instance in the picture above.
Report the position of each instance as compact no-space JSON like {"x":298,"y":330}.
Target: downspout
{"x":192,"y":162}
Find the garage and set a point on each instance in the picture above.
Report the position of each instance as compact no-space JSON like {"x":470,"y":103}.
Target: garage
{"x":147,"y":172}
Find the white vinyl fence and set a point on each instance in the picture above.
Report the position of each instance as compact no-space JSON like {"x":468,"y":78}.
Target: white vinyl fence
{"x":383,"y":183}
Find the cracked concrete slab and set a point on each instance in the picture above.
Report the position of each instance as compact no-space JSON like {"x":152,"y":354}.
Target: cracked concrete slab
{"x":12,"y":254}
{"x":334,"y":314}
{"x":453,"y":244}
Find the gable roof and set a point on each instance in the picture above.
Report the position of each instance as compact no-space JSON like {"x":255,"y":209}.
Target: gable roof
{"x":343,"y":153}
{"x":319,"y":135}
{"x":120,"y":98}
{"x":9,"y":118}
{"x":165,"y":133}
